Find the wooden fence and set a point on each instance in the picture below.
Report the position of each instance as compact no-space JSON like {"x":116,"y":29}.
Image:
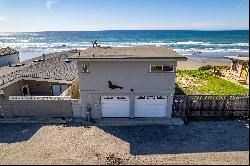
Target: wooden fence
{"x":211,"y":105}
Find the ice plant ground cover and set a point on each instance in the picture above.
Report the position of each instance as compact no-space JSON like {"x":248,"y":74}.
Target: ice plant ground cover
{"x":203,"y":82}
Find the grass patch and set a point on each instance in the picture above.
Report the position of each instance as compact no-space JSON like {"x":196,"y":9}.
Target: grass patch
{"x":202,"y":82}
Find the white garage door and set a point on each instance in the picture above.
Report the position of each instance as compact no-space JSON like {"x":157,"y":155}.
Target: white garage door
{"x":150,"y":106}
{"x":115,"y":106}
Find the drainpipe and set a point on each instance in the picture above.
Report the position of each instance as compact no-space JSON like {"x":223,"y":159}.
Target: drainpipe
{"x":1,"y":112}
{"x":88,"y":112}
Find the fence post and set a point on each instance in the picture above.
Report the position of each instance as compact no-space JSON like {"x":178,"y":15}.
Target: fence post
{"x":187,"y":110}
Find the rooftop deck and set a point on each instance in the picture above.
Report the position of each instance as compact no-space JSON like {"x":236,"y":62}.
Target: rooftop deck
{"x":49,"y":67}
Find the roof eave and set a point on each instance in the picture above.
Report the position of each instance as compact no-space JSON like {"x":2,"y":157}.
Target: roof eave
{"x":128,"y":58}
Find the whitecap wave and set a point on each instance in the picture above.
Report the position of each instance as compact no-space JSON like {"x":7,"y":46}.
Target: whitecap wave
{"x":190,"y":43}
{"x":7,"y":38}
{"x":198,"y":51}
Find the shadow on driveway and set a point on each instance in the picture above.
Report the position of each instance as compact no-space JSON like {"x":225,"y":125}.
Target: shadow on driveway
{"x":13,"y":133}
{"x":196,"y":137}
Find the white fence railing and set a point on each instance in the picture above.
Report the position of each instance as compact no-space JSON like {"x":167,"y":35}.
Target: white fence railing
{"x":39,"y":98}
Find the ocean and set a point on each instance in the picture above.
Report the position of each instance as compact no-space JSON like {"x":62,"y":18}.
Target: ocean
{"x":199,"y":45}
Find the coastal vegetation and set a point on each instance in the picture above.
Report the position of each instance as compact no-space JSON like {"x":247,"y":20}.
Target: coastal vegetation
{"x":204,"y":82}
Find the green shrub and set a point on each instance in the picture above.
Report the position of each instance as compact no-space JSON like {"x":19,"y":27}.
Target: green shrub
{"x":207,"y":67}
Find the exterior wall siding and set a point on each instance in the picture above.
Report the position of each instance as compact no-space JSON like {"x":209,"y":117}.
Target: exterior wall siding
{"x":42,"y":108}
{"x":39,"y":88}
{"x":129,"y":75}
{"x":14,"y":89}
{"x":53,"y":108}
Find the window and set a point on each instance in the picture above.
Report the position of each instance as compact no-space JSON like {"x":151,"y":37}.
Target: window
{"x":161,"y":68}
{"x":156,"y":68}
{"x":168,"y":68}
{"x":85,"y":68}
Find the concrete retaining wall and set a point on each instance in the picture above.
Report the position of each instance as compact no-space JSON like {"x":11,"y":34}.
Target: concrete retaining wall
{"x":28,"y":106}
{"x":40,"y":108}
{"x":14,"y":89}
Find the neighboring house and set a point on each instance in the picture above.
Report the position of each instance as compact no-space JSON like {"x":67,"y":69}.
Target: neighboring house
{"x":8,"y":56}
{"x":129,"y":82}
{"x":41,"y":87}
{"x":47,"y":75}
{"x":239,"y":67}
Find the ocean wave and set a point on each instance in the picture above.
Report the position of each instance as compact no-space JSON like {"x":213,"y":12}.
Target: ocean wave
{"x":189,"y":43}
{"x":227,"y":45}
{"x":25,"y":43}
{"x":179,"y":44}
{"x":7,"y":33}
{"x":193,"y":47}
{"x":199,"y":51}
{"x":7,"y":38}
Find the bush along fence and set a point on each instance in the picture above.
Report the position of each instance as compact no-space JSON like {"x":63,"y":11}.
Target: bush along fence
{"x":211,"y":106}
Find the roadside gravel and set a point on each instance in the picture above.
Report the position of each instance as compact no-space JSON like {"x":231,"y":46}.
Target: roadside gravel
{"x":220,"y":142}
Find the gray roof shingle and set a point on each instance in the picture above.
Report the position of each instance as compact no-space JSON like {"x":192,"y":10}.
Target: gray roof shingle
{"x":140,"y":52}
{"x":7,"y":51}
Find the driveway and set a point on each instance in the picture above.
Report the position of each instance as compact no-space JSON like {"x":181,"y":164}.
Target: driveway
{"x":210,"y":142}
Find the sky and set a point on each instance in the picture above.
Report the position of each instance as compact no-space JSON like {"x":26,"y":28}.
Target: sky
{"x":95,"y":15}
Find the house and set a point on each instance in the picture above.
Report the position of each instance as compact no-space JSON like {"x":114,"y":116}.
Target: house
{"x":127,"y":82}
{"x":8,"y":56}
{"x":239,"y":68}
{"x":39,"y":81}
{"x":47,"y":75}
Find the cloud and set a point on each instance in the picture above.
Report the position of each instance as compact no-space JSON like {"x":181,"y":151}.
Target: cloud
{"x":2,"y":18}
{"x":51,"y":3}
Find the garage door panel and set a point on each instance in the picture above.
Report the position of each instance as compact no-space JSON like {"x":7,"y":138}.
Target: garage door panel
{"x":115,"y":106}
{"x":150,"y":106}
{"x":153,"y":111}
{"x":109,"y":113}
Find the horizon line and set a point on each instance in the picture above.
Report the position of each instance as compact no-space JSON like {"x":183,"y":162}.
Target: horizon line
{"x":127,"y":30}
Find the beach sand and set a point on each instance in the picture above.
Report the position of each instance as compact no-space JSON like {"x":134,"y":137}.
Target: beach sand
{"x":195,"y":64}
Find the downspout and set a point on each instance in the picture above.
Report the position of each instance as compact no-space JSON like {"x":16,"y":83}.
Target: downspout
{"x":88,"y":112}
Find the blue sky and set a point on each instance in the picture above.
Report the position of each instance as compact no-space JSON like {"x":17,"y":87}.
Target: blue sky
{"x":70,"y":15}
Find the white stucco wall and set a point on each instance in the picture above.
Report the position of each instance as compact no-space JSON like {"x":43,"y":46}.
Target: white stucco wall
{"x":129,"y":75}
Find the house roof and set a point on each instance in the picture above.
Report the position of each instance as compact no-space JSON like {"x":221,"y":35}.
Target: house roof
{"x":7,"y":51}
{"x":239,"y":58}
{"x":140,"y":52}
{"x":50,"y":67}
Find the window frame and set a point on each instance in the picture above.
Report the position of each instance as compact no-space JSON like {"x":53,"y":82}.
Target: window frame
{"x":162,"y":71}
{"x":82,"y":68}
